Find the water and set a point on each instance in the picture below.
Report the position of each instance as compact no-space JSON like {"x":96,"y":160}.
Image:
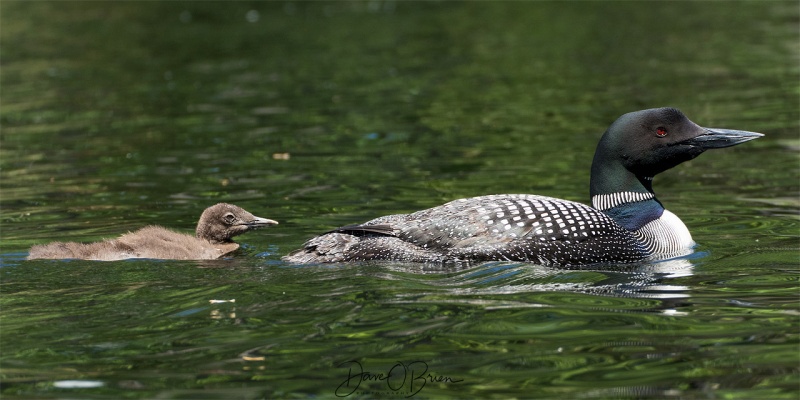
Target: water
{"x":118,"y":115}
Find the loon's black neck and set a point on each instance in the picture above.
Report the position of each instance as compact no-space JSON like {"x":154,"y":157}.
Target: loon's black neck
{"x":626,"y":197}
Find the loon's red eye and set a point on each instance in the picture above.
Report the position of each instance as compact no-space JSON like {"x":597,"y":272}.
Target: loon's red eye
{"x":661,"y":131}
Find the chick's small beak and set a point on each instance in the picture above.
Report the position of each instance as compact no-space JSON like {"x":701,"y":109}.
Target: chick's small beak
{"x":259,"y":222}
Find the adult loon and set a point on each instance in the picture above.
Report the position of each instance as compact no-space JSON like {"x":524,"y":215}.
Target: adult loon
{"x":626,"y":222}
{"x":217,"y":225}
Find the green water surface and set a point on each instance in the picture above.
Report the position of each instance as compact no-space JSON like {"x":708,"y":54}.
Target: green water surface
{"x":115,"y":115}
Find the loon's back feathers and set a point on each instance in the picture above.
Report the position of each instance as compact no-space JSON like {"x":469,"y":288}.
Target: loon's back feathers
{"x":496,"y":227}
{"x":626,"y":224}
{"x":364,"y":229}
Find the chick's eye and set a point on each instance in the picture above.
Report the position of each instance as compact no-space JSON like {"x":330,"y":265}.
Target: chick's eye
{"x":229,"y":218}
{"x":661,"y":131}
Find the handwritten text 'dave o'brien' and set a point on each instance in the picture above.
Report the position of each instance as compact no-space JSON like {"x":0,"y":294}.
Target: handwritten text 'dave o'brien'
{"x":401,"y":379}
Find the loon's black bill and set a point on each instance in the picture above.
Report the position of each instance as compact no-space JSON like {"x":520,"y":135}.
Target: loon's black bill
{"x":714,"y":138}
{"x":259,"y":222}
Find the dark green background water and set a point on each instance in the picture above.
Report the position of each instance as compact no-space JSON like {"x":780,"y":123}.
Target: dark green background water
{"x":116,"y":115}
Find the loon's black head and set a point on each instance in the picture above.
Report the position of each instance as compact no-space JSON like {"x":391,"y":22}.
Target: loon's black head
{"x":652,"y":141}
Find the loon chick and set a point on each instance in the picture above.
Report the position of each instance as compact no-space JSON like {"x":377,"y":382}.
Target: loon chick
{"x":626,"y":222}
{"x":217,"y":225}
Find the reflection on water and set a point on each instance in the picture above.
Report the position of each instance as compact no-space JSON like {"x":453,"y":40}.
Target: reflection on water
{"x":645,"y":280}
{"x":234,"y":322}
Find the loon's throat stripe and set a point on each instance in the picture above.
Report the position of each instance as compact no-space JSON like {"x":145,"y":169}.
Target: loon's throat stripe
{"x":604,"y":202}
